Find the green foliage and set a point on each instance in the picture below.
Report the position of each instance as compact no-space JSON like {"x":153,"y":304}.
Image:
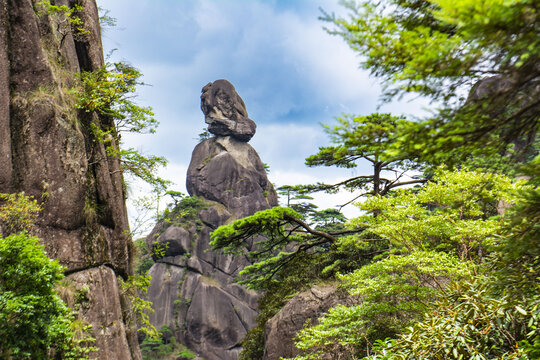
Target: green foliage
{"x":143,"y":259}
{"x":184,"y":209}
{"x":313,"y":255}
{"x":297,"y":275}
{"x":493,"y":313}
{"x":34,"y":322}
{"x":469,"y":322}
{"x":176,"y":196}
{"x":156,"y":349}
{"x":518,"y":257}
{"x":109,"y":92}
{"x":144,"y":265}
{"x":137,"y":313}
{"x":443,"y":50}
{"x":267,"y":251}
{"x":440,"y":49}
{"x":428,"y":229}
{"x":184,"y":213}
{"x":204,"y":135}
{"x":166,"y":333}
{"x":67,"y":17}
{"x":328,"y":218}
{"x":267,"y":222}
{"x":295,"y":196}
{"x":142,"y":166}
{"x":186,"y":354}
{"x":165,"y":347}
{"x":365,"y":138}
{"x":17,"y":212}
{"x":359,"y":137}
{"x":159,"y":249}
{"x":105,"y":20}
{"x":393,"y":294}
{"x":455,"y":212}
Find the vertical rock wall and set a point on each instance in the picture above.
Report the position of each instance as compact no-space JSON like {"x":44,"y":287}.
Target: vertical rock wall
{"x":47,"y":150}
{"x":193,"y":288}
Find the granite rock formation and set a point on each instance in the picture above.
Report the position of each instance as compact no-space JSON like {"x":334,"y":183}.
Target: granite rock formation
{"x":193,"y":287}
{"x":225,"y":111}
{"x":311,"y":304}
{"x":48,"y":151}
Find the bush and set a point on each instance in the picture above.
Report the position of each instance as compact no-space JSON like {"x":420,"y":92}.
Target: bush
{"x":34,"y":322}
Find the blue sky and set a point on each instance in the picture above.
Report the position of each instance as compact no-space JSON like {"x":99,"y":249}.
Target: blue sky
{"x":291,"y":74}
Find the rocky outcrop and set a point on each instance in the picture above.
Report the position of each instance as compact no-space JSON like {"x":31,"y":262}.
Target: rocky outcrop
{"x":47,"y":150}
{"x":281,"y":329}
{"x":193,"y":288}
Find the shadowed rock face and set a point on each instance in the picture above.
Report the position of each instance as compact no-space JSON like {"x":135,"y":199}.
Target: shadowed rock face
{"x":193,"y":288}
{"x":225,"y":111}
{"x":48,"y":151}
{"x":311,"y":304}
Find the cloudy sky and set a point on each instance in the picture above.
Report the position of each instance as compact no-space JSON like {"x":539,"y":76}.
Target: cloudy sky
{"x":292,"y":75}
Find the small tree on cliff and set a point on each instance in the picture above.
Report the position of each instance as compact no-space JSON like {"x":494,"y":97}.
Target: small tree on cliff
{"x":109,"y":91}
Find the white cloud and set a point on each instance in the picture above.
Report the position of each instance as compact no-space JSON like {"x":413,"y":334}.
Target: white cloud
{"x":290,"y":73}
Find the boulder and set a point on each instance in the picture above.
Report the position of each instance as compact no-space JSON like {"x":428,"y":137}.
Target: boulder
{"x":166,"y":284}
{"x":282,"y":328}
{"x":225,"y":111}
{"x":230,"y":172}
{"x":173,"y":242}
{"x":95,"y":294}
{"x":216,"y":321}
{"x":490,"y":87}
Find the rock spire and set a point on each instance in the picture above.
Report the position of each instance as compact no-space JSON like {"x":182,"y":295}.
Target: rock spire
{"x":193,"y":288}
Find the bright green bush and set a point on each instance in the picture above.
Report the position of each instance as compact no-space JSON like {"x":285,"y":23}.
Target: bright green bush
{"x":34,"y":322}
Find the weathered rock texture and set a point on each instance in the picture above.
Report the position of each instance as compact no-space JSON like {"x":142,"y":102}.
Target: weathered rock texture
{"x":193,"y":287}
{"x":225,"y":111}
{"x":311,"y":304}
{"x":48,"y":151}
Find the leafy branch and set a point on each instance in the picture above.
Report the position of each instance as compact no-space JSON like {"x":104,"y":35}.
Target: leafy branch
{"x":109,"y":91}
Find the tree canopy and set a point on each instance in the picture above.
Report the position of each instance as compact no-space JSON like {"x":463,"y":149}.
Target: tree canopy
{"x":452,"y":264}
{"x":369,"y":139}
{"x":477,"y":60}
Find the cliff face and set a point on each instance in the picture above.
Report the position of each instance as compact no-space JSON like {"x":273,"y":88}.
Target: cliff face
{"x":48,"y":151}
{"x":193,"y":287}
